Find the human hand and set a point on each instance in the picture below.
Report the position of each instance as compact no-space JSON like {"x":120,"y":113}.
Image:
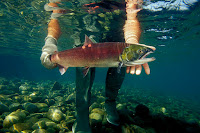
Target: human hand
{"x":138,"y":68}
{"x":48,"y":49}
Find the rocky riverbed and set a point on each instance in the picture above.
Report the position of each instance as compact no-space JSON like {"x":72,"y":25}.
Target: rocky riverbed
{"x":49,"y":107}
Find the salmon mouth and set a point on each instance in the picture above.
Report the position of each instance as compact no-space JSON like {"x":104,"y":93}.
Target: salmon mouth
{"x":143,"y":59}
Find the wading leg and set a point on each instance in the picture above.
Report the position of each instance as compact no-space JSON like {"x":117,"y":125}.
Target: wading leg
{"x":83,"y":95}
{"x":114,"y":81}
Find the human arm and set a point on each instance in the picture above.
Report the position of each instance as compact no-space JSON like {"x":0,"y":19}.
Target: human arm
{"x":132,"y":33}
{"x":54,"y":33}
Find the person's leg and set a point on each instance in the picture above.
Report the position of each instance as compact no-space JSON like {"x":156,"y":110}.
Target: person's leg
{"x":83,"y":95}
{"x":114,"y":81}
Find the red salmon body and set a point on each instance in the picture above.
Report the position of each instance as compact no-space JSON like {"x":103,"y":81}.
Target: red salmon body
{"x":91,"y":55}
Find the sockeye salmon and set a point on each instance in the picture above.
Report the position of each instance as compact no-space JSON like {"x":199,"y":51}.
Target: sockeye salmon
{"x":107,"y":54}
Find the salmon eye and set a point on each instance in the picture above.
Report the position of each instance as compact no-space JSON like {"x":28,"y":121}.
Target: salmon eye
{"x":140,"y":51}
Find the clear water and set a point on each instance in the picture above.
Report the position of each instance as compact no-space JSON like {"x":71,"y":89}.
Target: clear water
{"x":175,"y":34}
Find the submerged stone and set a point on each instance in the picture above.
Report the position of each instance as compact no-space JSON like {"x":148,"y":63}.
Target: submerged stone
{"x":55,"y":115}
{"x":142,"y":110}
{"x":40,"y":131}
{"x":138,"y":129}
{"x":48,"y":124}
{"x":56,"y":86}
{"x":39,"y":125}
{"x":42,"y":107}
{"x":18,"y":127}
{"x":15,"y":106}
{"x":95,"y":118}
{"x":94,"y":105}
{"x":3,"y":108}
{"x":49,"y":101}
{"x":71,"y":98}
{"x":98,"y":110}
{"x":13,"y":118}
{"x":30,"y":107}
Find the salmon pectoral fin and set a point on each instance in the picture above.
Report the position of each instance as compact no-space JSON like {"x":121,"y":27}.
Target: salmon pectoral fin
{"x":62,"y":69}
{"x":85,"y":71}
{"x":119,"y":67}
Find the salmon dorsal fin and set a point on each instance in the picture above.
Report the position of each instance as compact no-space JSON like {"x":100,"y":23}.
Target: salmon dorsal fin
{"x":87,"y":41}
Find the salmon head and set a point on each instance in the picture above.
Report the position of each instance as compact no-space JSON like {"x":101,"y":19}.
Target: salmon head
{"x":135,"y":54}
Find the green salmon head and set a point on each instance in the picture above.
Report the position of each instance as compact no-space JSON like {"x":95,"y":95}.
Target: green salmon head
{"x":135,"y":54}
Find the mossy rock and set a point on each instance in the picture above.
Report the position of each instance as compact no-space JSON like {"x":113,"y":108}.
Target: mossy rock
{"x":30,"y":107}
{"x":43,"y":107}
{"x":98,"y":110}
{"x":13,"y":118}
{"x":3,"y":108}
{"x":40,"y":131}
{"x":55,"y":115}
{"x":95,"y":118}
{"x":18,"y":127}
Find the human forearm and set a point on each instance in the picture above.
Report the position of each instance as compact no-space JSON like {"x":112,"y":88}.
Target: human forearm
{"x":132,"y":29}
{"x":53,"y":35}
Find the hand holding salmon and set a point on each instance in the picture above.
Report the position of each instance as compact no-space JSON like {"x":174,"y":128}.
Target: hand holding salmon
{"x":107,"y":54}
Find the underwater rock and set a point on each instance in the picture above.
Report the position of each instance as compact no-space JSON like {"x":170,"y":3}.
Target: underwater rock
{"x":13,"y":118}
{"x":90,"y":22}
{"x":69,"y":121}
{"x":26,"y":131}
{"x":15,"y":106}
{"x":49,"y":101}
{"x":40,"y":131}
{"x":122,"y":109}
{"x":95,"y":118}
{"x":24,"y":88}
{"x":35,"y":98}
{"x":98,"y":110}
{"x":71,"y":98}
{"x":100,"y":99}
{"x":58,"y":98}
{"x":150,"y":130}
{"x":30,"y":107}
{"x":4,"y":81}
{"x":48,"y":124}
{"x":3,"y":87}
{"x":1,"y":123}
{"x":42,"y":107}
{"x":63,"y":126}
{"x":24,"y":92}
{"x":39,"y":125}
{"x":56,"y":86}
{"x":55,"y":115}
{"x":32,"y":119}
{"x":142,"y":111}
{"x":138,"y":129}
{"x":163,"y":110}
{"x":18,"y":127}
{"x":3,"y":108}
{"x":59,"y":101}
{"x":94,"y":105}
{"x":51,"y":130}
{"x":127,"y":129}
{"x":17,"y":99}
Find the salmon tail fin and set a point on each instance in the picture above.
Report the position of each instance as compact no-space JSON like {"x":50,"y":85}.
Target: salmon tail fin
{"x":87,"y":41}
{"x":62,"y":69}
